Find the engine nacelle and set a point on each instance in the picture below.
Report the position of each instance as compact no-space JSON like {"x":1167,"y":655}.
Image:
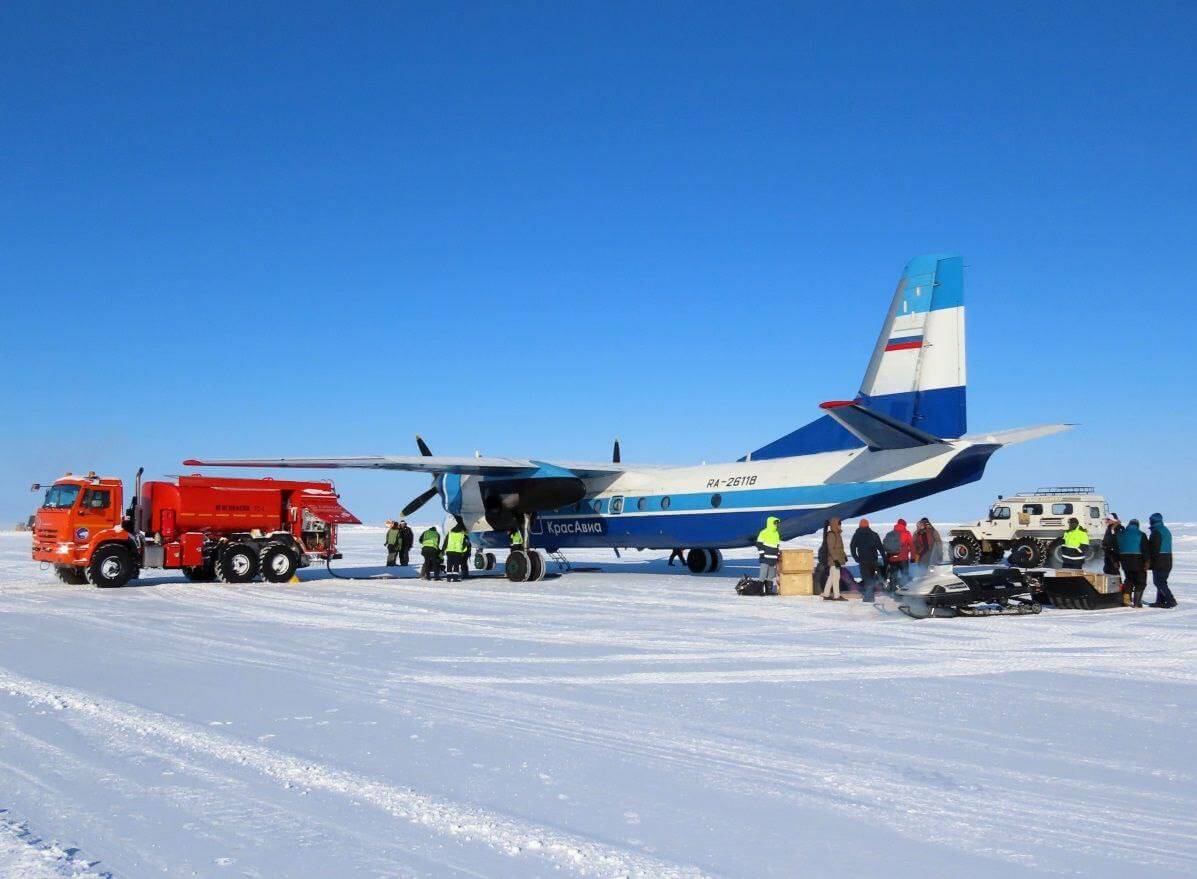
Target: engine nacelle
{"x":506,"y":501}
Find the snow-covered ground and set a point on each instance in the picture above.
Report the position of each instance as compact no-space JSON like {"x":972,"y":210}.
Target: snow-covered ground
{"x":637,"y":722}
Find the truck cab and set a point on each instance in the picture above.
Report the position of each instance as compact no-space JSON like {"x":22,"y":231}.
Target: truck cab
{"x":78,"y":514}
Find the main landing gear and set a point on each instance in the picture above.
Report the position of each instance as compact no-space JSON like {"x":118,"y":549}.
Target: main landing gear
{"x":525,"y":565}
{"x":704,"y":561}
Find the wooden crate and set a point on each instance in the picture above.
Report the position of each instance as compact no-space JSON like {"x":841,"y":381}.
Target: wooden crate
{"x":796,"y":583}
{"x":797,"y":561}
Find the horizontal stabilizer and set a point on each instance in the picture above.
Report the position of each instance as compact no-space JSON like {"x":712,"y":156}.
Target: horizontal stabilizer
{"x":875,"y":430}
{"x":1016,"y":435}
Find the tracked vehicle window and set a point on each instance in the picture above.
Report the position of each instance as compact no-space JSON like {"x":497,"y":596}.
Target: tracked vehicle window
{"x":1033,"y":509}
{"x":96,"y":499}
{"x":1095,"y":512}
{"x":59,"y":497}
{"x":1061,"y":509}
{"x":999,"y":513}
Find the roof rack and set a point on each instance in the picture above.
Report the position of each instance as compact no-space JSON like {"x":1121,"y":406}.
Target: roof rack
{"x":1062,"y":489}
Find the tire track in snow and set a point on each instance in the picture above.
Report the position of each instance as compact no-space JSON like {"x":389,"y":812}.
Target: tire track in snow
{"x":511,"y":836}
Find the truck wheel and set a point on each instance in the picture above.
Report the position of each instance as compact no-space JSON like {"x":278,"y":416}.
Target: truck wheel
{"x":70,"y":575}
{"x":279,"y":563}
{"x":111,"y":567}
{"x":966,"y":550}
{"x":1024,"y":553}
{"x":237,"y":563}
{"x":204,"y":573}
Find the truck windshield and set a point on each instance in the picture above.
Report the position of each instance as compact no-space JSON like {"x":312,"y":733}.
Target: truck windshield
{"x":59,"y":497}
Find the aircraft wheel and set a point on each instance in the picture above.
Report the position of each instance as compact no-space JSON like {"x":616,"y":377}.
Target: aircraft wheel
{"x":490,"y":561}
{"x":537,"y":567}
{"x":966,"y":550}
{"x":518,"y":566}
{"x":698,"y":561}
{"x":716,"y":560}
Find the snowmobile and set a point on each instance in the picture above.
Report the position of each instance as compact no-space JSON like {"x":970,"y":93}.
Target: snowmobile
{"x":944,"y":592}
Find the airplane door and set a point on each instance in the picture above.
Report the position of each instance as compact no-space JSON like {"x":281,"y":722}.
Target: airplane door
{"x":617,"y":505}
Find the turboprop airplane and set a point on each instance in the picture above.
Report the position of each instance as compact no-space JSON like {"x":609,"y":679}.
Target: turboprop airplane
{"x":902,"y":437}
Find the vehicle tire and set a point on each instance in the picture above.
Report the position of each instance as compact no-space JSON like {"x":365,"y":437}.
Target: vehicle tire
{"x":278,"y":562}
{"x":237,"y":563}
{"x":111,"y":567}
{"x":518,"y":566}
{"x":204,"y":573}
{"x":536,"y":574}
{"x":1024,"y":553}
{"x":966,"y":550}
{"x":71,"y":575}
{"x":993,"y":557}
{"x":698,"y":561}
{"x":1053,"y":558}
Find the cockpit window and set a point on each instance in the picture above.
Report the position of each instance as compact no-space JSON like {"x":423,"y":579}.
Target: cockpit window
{"x":60,"y":497}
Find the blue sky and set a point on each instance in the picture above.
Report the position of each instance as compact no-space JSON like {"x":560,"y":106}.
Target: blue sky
{"x":290,"y":229}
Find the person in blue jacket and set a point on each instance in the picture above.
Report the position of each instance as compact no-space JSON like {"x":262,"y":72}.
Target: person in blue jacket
{"x":1132,"y":552}
{"x":1161,"y":561}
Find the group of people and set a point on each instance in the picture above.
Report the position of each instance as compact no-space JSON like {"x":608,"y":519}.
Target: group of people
{"x":893,"y":559}
{"x":1131,"y":553}
{"x":902,"y":556}
{"x":447,"y":557}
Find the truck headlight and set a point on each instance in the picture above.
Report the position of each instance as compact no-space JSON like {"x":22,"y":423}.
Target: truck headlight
{"x":81,"y":534}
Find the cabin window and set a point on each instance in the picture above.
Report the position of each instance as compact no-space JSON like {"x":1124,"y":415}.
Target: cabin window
{"x":1061,"y":509}
{"x":716,"y":500}
{"x":642,"y":503}
{"x":96,"y":499}
{"x":665,"y":502}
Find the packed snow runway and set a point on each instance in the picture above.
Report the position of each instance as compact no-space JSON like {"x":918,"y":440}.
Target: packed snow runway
{"x":637,"y":722}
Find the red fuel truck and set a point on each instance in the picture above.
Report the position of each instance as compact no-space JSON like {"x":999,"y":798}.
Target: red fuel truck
{"x":211,"y":528}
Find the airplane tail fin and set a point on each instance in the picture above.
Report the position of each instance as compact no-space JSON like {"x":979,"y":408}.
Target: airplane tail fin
{"x":916,"y":375}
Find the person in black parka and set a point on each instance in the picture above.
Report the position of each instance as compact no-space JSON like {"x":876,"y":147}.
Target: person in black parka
{"x":1109,"y":546}
{"x":869,"y":553}
{"x":1161,"y":561}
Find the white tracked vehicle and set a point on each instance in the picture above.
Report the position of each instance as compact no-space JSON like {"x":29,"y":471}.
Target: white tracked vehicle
{"x":1030,"y":526}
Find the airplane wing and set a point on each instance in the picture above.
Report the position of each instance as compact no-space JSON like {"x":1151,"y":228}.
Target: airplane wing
{"x":416,"y":463}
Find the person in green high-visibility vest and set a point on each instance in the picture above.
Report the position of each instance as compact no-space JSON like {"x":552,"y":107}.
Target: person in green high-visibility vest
{"x":1076,"y":546}
{"x":517,"y":539}
{"x":430,"y":548}
{"x":456,"y":549}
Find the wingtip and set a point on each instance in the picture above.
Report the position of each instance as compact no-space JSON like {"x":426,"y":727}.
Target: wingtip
{"x":193,"y":462}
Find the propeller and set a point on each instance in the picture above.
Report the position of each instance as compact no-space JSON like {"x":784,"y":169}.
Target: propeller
{"x":424,"y":497}
{"x":615,"y":452}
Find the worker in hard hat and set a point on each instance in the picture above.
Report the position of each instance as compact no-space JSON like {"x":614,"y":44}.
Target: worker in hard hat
{"x":456,"y":548}
{"x":768,"y":547}
{"x":1076,"y":546}
{"x":430,"y":548}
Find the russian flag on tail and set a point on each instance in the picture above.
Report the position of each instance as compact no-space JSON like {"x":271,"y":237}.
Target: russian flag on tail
{"x":903,"y":343}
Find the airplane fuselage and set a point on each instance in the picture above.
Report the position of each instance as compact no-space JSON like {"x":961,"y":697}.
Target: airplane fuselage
{"x":725,"y":505}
